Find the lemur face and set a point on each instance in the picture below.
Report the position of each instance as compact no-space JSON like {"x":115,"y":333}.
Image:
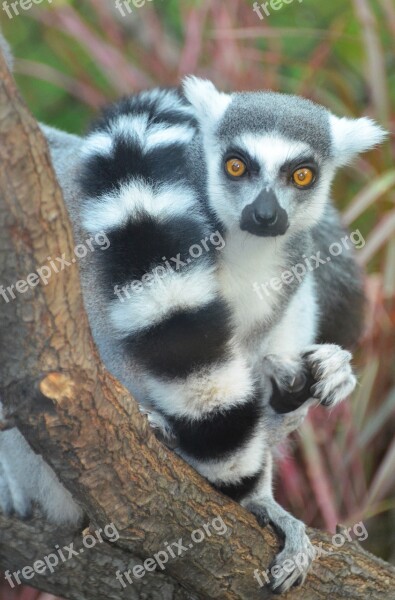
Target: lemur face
{"x":268,"y":182}
{"x":272,"y":157}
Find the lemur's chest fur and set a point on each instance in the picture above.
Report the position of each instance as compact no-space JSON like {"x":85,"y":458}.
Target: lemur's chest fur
{"x":247,"y":268}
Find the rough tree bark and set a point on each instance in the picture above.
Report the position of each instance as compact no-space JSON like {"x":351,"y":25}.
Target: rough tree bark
{"x":88,"y":428}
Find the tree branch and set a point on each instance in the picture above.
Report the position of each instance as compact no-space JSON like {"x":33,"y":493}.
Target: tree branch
{"x":89,"y":429}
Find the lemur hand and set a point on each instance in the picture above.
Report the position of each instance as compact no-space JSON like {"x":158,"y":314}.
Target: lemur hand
{"x":330,"y":366}
{"x":324,"y":374}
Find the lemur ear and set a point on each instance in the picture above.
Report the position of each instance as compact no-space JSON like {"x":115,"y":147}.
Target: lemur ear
{"x":352,"y":136}
{"x":209,"y":104}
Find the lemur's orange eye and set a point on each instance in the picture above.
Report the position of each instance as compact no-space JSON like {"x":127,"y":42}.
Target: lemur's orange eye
{"x":303,"y":177}
{"x":235,"y":167}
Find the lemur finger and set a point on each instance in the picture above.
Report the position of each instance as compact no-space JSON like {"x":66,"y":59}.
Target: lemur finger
{"x":262,"y":517}
{"x":340,"y":393}
{"x":171,"y":442}
{"x":325,"y":359}
{"x":291,"y":565}
{"x":161,"y":428}
{"x":327,"y":386}
{"x":330,"y":366}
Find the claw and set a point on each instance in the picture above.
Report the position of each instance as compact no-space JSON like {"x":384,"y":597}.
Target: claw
{"x":298,"y":383}
{"x":262,"y":519}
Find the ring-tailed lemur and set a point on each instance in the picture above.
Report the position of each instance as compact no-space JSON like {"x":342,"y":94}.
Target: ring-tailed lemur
{"x":224,"y":371}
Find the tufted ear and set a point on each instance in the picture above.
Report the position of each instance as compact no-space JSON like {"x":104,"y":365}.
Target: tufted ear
{"x":352,"y":136}
{"x":209,"y":104}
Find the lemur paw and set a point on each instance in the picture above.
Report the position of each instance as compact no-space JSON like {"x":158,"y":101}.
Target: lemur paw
{"x":161,"y":428}
{"x":13,"y":499}
{"x":331,"y":369}
{"x":290,"y":567}
{"x":286,"y":372}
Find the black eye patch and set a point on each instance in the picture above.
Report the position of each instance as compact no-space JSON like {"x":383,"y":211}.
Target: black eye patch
{"x":300,"y":161}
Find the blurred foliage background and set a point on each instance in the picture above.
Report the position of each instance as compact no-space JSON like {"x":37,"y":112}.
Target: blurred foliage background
{"x":73,"y":57}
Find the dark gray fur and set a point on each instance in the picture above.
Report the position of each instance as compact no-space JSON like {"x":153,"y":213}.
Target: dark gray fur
{"x":290,"y":116}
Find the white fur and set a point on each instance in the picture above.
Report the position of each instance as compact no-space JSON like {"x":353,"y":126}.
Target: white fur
{"x":224,"y":385}
{"x":272,"y":151}
{"x":187,"y":289}
{"x":166,"y":100}
{"x":297,"y":328}
{"x":137,"y":128}
{"x":352,"y":136}
{"x":309,"y":213}
{"x":210,"y":104}
{"x":160,"y":135}
{"x":97,"y":143}
{"x":148,"y":136}
{"x":115,"y":208}
{"x":133,"y":128}
{"x":246,"y":260}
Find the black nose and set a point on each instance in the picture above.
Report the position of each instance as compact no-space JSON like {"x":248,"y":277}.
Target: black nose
{"x":265,"y":216}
